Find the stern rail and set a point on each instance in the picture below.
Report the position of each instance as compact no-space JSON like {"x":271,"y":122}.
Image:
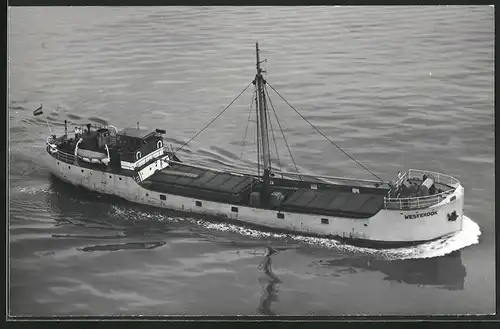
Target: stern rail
{"x":64,"y":156}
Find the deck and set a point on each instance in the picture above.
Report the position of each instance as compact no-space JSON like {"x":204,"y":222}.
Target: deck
{"x":445,"y":185}
{"x":226,"y":187}
{"x":182,"y":175}
{"x":341,"y":200}
{"x":334,"y":202}
{"x":201,"y":183}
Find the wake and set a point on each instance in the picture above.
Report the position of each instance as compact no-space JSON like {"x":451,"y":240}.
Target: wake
{"x":468,"y":236}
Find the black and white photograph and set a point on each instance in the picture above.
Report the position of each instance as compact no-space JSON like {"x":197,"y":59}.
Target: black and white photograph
{"x":262,"y":161}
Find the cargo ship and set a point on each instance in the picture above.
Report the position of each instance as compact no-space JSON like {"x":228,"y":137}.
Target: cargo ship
{"x":134,"y":164}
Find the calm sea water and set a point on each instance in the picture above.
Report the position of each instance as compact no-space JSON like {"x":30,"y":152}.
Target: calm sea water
{"x":396,"y":87}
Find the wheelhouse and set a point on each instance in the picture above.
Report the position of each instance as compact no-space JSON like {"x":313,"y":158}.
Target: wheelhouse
{"x":136,"y":143}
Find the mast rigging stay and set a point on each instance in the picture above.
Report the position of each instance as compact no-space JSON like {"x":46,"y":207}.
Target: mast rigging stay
{"x":262,"y":129}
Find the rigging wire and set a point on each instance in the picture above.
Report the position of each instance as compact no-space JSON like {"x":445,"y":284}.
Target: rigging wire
{"x":274,"y":138}
{"x":267,"y":140}
{"x":258,"y":135}
{"x":282,"y":132}
{"x":322,"y":133}
{"x":218,"y":115}
{"x":248,"y":121}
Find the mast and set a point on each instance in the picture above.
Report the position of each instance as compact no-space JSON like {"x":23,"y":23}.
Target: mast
{"x":264,"y":140}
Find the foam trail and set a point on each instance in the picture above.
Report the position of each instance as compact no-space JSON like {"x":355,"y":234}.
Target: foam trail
{"x":29,"y":190}
{"x":468,"y":236}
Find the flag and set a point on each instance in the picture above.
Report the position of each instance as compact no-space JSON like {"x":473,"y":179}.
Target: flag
{"x":38,"y":111}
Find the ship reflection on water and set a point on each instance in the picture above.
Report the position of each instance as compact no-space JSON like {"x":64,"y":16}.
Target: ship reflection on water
{"x":445,"y":272}
{"x":93,"y":213}
{"x":269,"y":282}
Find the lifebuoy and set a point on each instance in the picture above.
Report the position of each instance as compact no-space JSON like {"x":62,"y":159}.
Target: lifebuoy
{"x":138,"y":155}
{"x":159,"y":144}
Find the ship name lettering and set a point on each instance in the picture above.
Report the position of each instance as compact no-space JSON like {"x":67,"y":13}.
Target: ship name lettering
{"x":421,"y":215}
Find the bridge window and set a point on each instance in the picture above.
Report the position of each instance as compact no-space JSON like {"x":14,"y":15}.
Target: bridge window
{"x":280,"y":215}
{"x":198,"y":203}
{"x":234,"y":209}
{"x":163,"y":197}
{"x":325,"y":221}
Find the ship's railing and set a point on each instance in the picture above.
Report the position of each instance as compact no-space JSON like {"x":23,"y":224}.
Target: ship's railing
{"x":369,"y":182}
{"x":64,"y":156}
{"x":142,"y":161}
{"x":422,"y":201}
{"x":229,"y":171}
{"x":438,"y":177}
{"x":127,"y":165}
{"x":415,"y":202}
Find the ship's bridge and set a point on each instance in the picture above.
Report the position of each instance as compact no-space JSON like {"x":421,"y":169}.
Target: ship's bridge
{"x":138,"y":146}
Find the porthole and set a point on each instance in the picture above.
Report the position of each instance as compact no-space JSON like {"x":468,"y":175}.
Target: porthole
{"x":365,"y":224}
{"x":109,"y":176}
{"x":147,"y":194}
{"x":119,"y":178}
{"x":69,"y":167}
{"x":82,"y":170}
{"x":57,"y":162}
{"x":280,"y":215}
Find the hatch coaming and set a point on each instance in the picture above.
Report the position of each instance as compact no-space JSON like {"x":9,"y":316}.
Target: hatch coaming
{"x":226,"y":187}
